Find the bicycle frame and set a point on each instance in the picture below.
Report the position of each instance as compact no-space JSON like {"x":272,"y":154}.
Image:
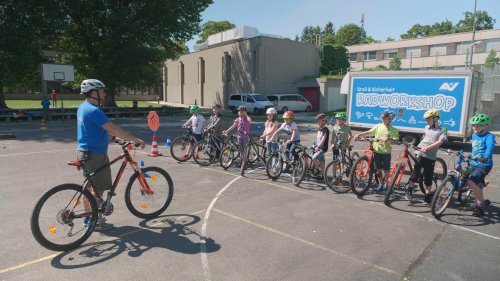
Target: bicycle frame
{"x":127,"y":159}
{"x":369,"y":154}
{"x":404,"y":159}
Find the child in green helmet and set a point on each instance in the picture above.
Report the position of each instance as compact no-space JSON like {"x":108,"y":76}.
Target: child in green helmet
{"x":483,"y":144}
{"x":341,"y":134}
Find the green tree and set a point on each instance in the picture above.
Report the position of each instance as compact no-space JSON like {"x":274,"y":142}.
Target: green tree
{"x":350,"y":34}
{"x":125,"y":43}
{"x":335,"y":60}
{"x":22,"y":24}
{"x":416,"y":31}
{"x":310,"y":33}
{"x":395,"y":63}
{"x":483,"y":21}
{"x":328,"y":34}
{"x":213,"y":27}
{"x":491,"y":59}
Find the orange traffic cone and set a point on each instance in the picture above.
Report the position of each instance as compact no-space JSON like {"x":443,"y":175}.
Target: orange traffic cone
{"x":154,"y":147}
{"x":42,"y":125}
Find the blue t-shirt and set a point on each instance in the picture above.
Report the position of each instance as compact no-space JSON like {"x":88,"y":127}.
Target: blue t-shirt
{"x":483,"y":146}
{"x":91,"y":136}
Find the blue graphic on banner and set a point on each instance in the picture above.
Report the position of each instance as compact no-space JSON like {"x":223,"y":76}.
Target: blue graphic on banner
{"x":409,"y":98}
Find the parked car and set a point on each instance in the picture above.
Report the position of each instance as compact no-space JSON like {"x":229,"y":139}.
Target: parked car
{"x":295,"y":102}
{"x":255,"y":103}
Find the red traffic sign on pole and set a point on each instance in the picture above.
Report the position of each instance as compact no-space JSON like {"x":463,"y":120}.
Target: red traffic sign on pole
{"x":153,"y":121}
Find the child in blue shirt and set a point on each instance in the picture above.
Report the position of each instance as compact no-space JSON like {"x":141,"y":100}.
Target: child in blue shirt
{"x":483,"y":144}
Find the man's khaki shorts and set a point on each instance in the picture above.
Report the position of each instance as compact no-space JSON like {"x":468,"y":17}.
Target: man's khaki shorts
{"x":102,"y":180}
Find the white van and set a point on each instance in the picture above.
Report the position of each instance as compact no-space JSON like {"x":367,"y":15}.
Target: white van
{"x":285,"y":102}
{"x":255,"y":103}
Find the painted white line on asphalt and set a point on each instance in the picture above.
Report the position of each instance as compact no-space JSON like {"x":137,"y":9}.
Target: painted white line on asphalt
{"x":37,"y":152}
{"x":203,"y":248}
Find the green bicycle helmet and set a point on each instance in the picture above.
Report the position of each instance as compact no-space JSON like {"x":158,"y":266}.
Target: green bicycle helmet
{"x":340,"y":115}
{"x":480,"y":119}
{"x":193,"y":108}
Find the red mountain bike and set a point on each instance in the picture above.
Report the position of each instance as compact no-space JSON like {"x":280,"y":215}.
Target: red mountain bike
{"x":57,"y":221}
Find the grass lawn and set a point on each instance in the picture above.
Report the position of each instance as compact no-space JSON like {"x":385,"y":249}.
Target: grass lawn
{"x":18,"y":104}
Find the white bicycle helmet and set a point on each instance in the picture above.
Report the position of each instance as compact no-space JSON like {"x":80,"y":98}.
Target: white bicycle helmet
{"x":271,"y":110}
{"x":91,"y":84}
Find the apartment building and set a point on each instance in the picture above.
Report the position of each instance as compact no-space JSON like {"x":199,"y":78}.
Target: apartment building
{"x":450,"y":51}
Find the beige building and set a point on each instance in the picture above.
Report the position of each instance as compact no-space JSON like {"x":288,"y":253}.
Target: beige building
{"x":240,"y":60}
{"x":436,"y":52}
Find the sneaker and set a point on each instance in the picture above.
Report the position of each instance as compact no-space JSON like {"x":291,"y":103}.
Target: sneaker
{"x":184,"y":156}
{"x":102,"y":225}
{"x":428,"y":198}
{"x":409,"y":194}
{"x":379,"y":187}
{"x":86,"y":221}
{"x":477,"y":211}
{"x":286,"y":169}
{"x":383,"y":191}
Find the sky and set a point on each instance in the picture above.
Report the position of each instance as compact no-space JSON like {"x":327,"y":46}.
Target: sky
{"x":382,"y":18}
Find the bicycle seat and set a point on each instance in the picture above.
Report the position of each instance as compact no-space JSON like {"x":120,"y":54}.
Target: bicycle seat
{"x":75,"y":163}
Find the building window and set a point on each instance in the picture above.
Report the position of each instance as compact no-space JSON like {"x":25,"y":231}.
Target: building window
{"x":353,"y":56}
{"x":492,"y":44}
{"x":437,"y":50}
{"x":463,"y":47}
{"x":389,"y":54}
{"x":372,"y":55}
{"x":413,"y":52}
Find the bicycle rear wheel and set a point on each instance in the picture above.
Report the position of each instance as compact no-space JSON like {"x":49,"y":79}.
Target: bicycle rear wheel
{"x":58,"y":216}
{"x":253,"y":153}
{"x":182,"y":149}
{"x":147,"y":206}
{"x":299,"y":169}
{"x":336,"y":176}
{"x":204,"y":153}
{"x":392,"y":185}
{"x":274,"y":166}
{"x":226,"y":157}
{"x":442,"y":196}
{"x":362,"y":176}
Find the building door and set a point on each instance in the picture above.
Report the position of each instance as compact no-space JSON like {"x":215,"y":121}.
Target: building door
{"x":312,"y":95}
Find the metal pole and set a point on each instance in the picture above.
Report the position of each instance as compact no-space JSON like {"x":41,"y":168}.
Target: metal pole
{"x":62,"y":91}
{"x":473,"y":33}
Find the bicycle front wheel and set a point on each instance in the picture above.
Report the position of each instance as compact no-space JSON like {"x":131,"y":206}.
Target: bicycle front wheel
{"x":57,"y":221}
{"x":147,"y":206}
{"x":392,"y":185}
{"x":181,"y":149}
{"x":274,"y":166}
{"x":442,"y":196}
{"x":226,"y":157}
{"x":204,"y":153}
{"x":299,"y":169}
{"x":336,"y":176}
{"x":361,"y":176}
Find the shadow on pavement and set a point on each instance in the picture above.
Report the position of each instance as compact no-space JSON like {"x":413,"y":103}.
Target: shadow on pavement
{"x":165,"y":232}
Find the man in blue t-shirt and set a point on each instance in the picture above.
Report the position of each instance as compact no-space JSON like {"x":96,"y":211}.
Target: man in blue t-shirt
{"x":94,"y":129}
{"x":483,"y":144}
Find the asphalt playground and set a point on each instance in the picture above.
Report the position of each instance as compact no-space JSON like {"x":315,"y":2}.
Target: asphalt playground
{"x":221,"y":226}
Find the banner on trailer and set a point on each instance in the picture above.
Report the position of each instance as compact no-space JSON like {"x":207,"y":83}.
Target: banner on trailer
{"x":409,"y":98}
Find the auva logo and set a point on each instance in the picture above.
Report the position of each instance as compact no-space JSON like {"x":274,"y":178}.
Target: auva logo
{"x":448,"y":86}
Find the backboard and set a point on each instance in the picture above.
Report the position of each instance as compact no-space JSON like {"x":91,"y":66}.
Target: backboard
{"x":58,"y":72}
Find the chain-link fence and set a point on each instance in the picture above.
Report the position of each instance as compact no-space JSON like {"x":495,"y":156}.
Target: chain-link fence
{"x":489,"y":93}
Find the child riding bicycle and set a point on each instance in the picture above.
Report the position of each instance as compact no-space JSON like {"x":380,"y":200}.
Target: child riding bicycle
{"x":434,"y":136}
{"x":341,"y":135}
{"x":271,"y":126}
{"x":215,"y":124}
{"x":321,"y":144}
{"x":292,"y":129}
{"x":242,"y":125}
{"x":386,"y":135}
{"x":483,"y":144}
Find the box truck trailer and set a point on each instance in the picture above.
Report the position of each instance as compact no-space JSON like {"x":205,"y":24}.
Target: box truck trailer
{"x":410,"y":94}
